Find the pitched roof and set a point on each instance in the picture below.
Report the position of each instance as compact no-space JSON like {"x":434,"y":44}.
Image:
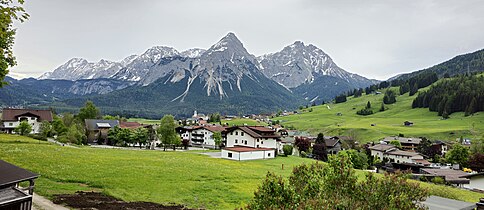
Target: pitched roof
{"x":130,"y":124}
{"x":403,"y":139}
{"x":472,"y":175}
{"x":382,"y":147}
{"x":12,"y":174}
{"x":246,"y":149}
{"x":439,"y":203}
{"x":12,"y":114}
{"x":331,"y":142}
{"x":93,"y":124}
{"x":451,"y":175}
{"x":403,"y":153}
{"x":215,"y":128}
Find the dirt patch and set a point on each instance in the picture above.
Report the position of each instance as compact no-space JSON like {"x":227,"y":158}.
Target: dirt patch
{"x":96,"y":200}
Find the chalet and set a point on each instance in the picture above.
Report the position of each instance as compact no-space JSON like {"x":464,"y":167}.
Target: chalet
{"x":11,"y":118}
{"x":387,"y":152}
{"x":201,"y":136}
{"x":407,"y":143}
{"x":250,"y":143}
{"x":97,"y":130}
{"x":12,"y":196}
{"x":333,"y":145}
{"x":440,"y":147}
{"x":476,"y":181}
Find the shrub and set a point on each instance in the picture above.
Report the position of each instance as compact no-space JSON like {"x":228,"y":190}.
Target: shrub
{"x":38,"y":137}
{"x":287,"y":149}
{"x":335,"y":186}
{"x":438,"y":180}
{"x":365,"y":112}
{"x":303,"y":154}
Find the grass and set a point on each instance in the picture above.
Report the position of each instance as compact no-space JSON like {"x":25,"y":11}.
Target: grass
{"x":181,"y":177}
{"x":324,"y":119}
{"x":189,"y":178}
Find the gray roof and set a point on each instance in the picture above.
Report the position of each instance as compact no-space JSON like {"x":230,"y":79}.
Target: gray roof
{"x":439,"y":203}
{"x":382,"y":147}
{"x":12,"y":174}
{"x":92,"y":124}
{"x":403,"y":139}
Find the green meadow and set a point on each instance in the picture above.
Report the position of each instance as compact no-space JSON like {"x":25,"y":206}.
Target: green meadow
{"x":341,"y":119}
{"x":188,"y":178}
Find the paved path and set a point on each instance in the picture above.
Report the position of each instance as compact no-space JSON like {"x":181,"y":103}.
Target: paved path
{"x":41,"y":203}
{"x":59,"y":143}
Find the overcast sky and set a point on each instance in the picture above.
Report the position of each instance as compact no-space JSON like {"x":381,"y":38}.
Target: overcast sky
{"x":376,"y":39}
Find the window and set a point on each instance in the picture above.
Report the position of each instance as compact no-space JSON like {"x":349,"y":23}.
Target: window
{"x":268,"y":154}
{"x":242,"y":133}
{"x":229,"y":154}
{"x":257,"y":146}
{"x":10,"y":124}
{"x":32,"y":118}
{"x":245,"y":142}
{"x":236,"y":141}
{"x":236,"y":133}
{"x":257,"y":140}
{"x":262,"y":142}
{"x":231,"y":133}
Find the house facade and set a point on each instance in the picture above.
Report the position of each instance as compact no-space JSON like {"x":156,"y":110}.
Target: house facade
{"x":390,"y":153}
{"x":250,"y":142}
{"x":97,"y":130}
{"x":201,"y":136}
{"x":11,"y":118}
{"x":476,"y":181}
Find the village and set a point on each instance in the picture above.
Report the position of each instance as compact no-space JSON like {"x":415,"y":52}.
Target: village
{"x":417,"y":155}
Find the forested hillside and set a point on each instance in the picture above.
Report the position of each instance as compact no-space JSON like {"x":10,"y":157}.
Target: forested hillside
{"x":464,"y":93}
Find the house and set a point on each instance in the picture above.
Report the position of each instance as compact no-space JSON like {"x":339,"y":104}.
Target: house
{"x":476,"y":181}
{"x":201,"y":136}
{"x":97,"y":130}
{"x":387,"y":152}
{"x":11,"y":195}
{"x":11,"y":118}
{"x":250,"y":143}
{"x":333,"y":145}
{"x":407,"y":143}
{"x":451,"y":176}
{"x":439,"y":147}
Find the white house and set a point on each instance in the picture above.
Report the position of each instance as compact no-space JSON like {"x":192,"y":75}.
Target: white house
{"x":250,"y":142}
{"x":394,"y":155}
{"x":476,"y":181}
{"x":11,"y":118}
{"x":201,"y":136}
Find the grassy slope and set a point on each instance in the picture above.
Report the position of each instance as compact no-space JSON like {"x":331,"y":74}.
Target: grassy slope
{"x":144,"y":121}
{"x":180,"y":177}
{"x":389,"y":122}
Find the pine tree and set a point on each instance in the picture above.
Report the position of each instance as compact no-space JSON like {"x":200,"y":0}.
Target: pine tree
{"x":368,"y":105}
{"x":382,"y":108}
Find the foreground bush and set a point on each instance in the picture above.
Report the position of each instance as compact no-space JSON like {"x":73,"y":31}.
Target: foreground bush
{"x":335,"y":186}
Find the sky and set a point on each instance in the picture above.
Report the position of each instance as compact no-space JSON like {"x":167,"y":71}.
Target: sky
{"x":376,"y":39}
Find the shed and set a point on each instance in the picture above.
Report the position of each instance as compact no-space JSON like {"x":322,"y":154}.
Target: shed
{"x":11,"y":195}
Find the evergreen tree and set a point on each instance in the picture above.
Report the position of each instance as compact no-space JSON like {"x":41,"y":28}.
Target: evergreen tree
{"x":368,"y":105}
{"x":382,"y":108}
{"x":413,"y":89}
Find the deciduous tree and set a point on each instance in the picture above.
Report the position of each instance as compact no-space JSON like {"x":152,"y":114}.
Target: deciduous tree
{"x":217,"y":138}
{"x":89,"y":111}
{"x":166,"y":131}
{"x":23,"y":128}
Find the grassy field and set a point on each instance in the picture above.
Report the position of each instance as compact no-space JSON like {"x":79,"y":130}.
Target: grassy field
{"x":243,"y":121}
{"x":186,"y":178}
{"x":144,"y":121}
{"x":181,"y":177}
{"x":324,"y":119}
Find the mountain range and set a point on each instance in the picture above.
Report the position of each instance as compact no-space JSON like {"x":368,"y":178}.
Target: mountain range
{"x":225,"y":78}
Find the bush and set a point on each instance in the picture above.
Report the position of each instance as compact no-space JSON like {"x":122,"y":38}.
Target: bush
{"x":303,"y":154}
{"x":335,"y":186}
{"x":38,"y":137}
{"x":365,"y":112}
{"x":287,"y":149}
{"x":438,"y":180}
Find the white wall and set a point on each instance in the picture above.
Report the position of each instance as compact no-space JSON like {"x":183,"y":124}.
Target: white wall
{"x":31,"y":120}
{"x":377,"y":154}
{"x":476,"y":182}
{"x":240,"y":138}
{"x":254,"y":155}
